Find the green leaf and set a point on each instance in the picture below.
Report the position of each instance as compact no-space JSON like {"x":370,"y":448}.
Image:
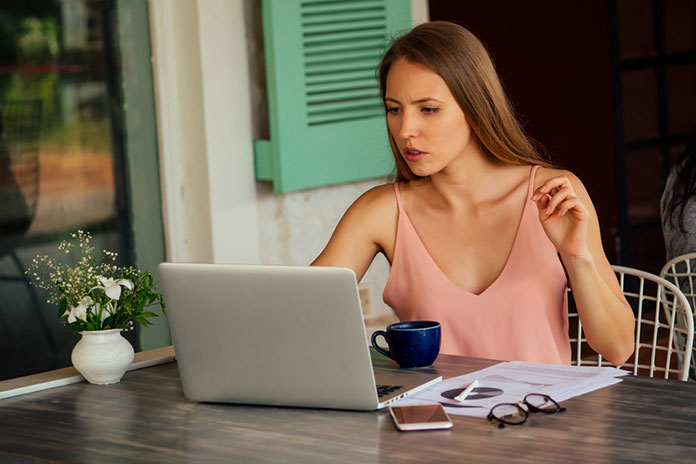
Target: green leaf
{"x":62,"y":307}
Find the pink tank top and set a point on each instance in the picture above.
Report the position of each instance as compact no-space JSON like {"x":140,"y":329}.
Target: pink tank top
{"x":522,"y":315}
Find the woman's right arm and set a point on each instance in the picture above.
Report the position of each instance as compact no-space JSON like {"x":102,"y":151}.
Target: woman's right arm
{"x":367,"y":228}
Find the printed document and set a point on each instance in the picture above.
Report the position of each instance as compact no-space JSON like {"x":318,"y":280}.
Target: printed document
{"x":509,"y":382}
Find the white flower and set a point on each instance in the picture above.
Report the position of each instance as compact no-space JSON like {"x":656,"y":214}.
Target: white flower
{"x":112,"y":287}
{"x":106,"y":311}
{"x":79,"y":311}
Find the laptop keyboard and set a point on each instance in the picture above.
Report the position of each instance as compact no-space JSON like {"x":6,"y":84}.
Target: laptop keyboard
{"x":384,"y":390}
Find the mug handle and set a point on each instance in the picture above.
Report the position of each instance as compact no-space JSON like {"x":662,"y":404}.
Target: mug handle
{"x":376,"y":334}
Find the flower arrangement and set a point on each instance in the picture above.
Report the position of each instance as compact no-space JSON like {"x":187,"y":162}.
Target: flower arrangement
{"x":95,"y":294}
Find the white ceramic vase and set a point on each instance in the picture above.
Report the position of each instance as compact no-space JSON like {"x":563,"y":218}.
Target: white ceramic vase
{"x":102,"y":356}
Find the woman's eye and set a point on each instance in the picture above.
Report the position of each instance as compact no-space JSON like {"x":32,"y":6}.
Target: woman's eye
{"x":392,"y":110}
{"x":430,"y":109}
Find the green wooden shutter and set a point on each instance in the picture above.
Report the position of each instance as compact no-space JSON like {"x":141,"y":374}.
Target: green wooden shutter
{"x":326,"y":117}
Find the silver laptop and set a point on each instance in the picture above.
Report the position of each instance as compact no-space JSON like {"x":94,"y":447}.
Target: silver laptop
{"x":276,"y":335}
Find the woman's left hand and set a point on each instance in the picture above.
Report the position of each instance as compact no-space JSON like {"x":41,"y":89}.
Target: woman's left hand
{"x":563,"y":216}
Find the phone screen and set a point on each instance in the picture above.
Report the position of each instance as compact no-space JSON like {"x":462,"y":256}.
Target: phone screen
{"x":416,"y":417}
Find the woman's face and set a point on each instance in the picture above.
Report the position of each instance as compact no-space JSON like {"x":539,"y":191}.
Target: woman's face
{"x":428,"y":125}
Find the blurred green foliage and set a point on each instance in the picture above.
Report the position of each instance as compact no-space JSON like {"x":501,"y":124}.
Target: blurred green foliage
{"x":30,"y":37}
{"x":35,"y":42}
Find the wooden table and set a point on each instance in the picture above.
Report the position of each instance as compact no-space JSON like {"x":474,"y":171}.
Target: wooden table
{"x":145,"y":418}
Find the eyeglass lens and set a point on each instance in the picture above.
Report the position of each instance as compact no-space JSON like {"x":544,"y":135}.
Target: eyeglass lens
{"x":542,"y":403}
{"x":508,"y":413}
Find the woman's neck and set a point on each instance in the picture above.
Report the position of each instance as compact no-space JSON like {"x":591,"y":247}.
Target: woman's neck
{"x":473,"y":183}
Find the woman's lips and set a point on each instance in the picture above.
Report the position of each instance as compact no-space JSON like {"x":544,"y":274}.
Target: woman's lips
{"x":414,"y":154}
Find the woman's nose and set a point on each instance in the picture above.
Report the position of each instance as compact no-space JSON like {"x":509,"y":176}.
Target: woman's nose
{"x":409,"y":125}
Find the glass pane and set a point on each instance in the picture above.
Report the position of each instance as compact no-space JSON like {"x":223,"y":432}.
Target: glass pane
{"x":681,"y":93}
{"x":644,"y":184}
{"x":639,"y":99}
{"x":647,"y":247}
{"x":680,"y":33}
{"x":637,"y":39}
{"x":60,"y":161}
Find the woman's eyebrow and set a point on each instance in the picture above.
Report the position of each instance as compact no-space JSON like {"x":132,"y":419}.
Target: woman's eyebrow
{"x":420,"y":100}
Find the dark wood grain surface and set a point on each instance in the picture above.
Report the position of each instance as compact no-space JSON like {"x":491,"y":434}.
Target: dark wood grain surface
{"x":146,"y":419}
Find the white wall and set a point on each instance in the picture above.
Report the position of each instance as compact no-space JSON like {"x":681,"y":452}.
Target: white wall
{"x":211,"y":105}
{"x":181,"y":130}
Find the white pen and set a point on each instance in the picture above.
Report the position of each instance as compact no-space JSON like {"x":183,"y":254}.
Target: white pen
{"x":462,"y":396}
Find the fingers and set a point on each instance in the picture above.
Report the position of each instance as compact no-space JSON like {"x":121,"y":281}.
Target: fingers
{"x":573,"y":206}
{"x":556,"y":196}
{"x":549,"y":185}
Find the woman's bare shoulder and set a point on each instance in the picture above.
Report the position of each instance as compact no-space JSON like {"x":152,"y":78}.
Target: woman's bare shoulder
{"x":544,"y":174}
{"x":371,"y":213}
{"x":374,"y":214}
{"x":366,"y":228}
{"x":379,"y":199}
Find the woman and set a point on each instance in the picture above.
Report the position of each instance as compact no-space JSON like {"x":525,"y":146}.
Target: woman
{"x":678,"y":204}
{"x":475,"y":223}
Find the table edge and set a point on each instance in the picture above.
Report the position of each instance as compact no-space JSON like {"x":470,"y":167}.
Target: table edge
{"x":69,"y":375}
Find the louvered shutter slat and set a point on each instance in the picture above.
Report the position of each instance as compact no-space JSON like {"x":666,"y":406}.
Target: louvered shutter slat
{"x":336,"y":36}
{"x":367,"y":93}
{"x":339,"y":65}
{"x":342,"y":85}
{"x":337,"y":78}
{"x":350,"y":26}
{"x":336,"y":47}
{"x":352,"y":104}
{"x":369,"y":55}
{"x":344,"y":17}
{"x":344,"y":116}
{"x":343,"y":6}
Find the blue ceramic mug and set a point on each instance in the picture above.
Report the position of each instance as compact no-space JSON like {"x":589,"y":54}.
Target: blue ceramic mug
{"x":411,"y":344}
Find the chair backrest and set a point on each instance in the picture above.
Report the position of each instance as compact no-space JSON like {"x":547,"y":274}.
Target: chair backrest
{"x":664,"y":328}
{"x":681,"y":271}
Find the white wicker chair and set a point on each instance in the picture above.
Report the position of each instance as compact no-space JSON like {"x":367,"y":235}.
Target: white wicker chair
{"x":681,"y":271}
{"x":664,"y":328}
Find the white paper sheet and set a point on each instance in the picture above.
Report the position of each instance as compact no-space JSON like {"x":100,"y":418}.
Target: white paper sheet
{"x":509,"y":382}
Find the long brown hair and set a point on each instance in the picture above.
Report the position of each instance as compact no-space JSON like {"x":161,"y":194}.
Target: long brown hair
{"x":462,"y":61}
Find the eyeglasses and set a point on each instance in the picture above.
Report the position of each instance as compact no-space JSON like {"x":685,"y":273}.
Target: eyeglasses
{"x":517,"y":413}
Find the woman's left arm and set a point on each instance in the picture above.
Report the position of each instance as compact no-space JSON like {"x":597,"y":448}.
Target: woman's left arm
{"x":570,"y":221}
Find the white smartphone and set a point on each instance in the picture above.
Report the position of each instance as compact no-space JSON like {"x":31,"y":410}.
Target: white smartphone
{"x":420,"y":417}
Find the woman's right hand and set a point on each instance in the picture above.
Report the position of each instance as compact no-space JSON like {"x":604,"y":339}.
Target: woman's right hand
{"x":563,"y":216}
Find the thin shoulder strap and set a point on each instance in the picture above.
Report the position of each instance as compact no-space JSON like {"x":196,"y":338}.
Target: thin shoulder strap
{"x":532,"y":176}
{"x":398,"y":196}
